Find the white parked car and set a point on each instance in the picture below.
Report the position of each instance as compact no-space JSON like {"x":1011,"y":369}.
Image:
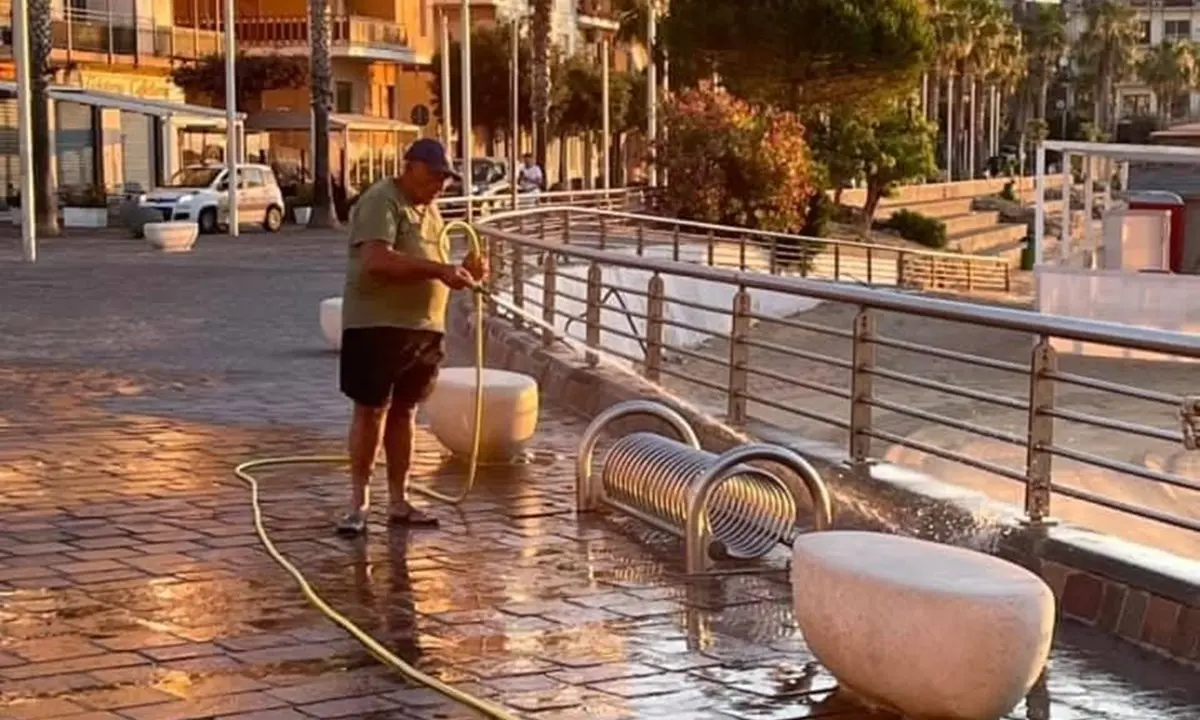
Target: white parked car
{"x":200,"y":193}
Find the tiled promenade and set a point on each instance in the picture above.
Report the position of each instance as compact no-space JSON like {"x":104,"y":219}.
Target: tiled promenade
{"x":132,"y":585}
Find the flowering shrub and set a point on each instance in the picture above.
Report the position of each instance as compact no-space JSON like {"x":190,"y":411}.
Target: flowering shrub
{"x":734,"y":164}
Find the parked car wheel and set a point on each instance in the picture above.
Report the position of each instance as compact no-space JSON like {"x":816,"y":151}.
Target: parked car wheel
{"x":274,"y":219}
{"x":208,"y":221}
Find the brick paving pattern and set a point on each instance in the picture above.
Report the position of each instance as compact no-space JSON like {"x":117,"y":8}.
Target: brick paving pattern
{"x":132,"y":585}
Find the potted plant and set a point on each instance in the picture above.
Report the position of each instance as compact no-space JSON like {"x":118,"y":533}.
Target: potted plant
{"x":85,"y":207}
{"x":302,"y":203}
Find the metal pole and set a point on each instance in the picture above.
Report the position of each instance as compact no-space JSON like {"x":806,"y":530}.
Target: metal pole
{"x":25,"y":128}
{"x":1064,"y":242}
{"x":467,"y":119}
{"x":1039,"y":207}
{"x":652,"y":91}
{"x":514,"y":106}
{"x":231,"y":132}
{"x":606,"y":116}
{"x":444,"y":45}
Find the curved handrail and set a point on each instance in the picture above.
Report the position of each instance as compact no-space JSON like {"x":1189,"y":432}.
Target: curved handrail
{"x":1106,"y":333}
{"x":586,"y":489}
{"x":696,"y":529}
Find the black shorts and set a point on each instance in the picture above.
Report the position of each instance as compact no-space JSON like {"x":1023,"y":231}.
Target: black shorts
{"x":382,"y":364}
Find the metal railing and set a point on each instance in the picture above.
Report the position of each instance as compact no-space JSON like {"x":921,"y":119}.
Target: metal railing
{"x":779,"y":253}
{"x":541,"y":273}
{"x":608,"y":199}
{"x":284,"y":31}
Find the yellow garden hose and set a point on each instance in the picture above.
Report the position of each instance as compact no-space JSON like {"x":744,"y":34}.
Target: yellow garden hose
{"x":243,"y":473}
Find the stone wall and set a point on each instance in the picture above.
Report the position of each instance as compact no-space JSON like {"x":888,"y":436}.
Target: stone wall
{"x":1142,"y":596}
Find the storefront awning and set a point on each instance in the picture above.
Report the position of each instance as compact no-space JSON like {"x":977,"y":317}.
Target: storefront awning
{"x":145,"y":106}
{"x":302,"y":120}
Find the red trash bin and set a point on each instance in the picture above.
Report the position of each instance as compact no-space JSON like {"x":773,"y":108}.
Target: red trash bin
{"x":1172,"y":203}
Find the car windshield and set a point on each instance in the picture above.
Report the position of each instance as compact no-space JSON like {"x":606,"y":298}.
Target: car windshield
{"x":194,"y":177}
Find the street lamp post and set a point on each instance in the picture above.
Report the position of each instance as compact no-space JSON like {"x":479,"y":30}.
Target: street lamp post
{"x":652,"y":90}
{"x":231,"y":132}
{"x":467,"y":117}
{"x":514,"y":102}
{"x":25,"y":128}
{"x":606,"y":116}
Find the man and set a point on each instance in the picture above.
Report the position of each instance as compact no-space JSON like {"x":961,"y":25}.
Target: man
{"x":530,"y":178}
{"x":398,"y":280}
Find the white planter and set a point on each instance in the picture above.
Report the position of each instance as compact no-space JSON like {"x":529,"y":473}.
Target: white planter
{"x":303,"y":215}
{"x":172,"y":236}
{"x":919,"y":628}
{"x":85,"y":217}
{"x":510,"y":412}
{"x":331,"y":321}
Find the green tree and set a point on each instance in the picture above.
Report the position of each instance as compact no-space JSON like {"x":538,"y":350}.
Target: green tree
{"x":1170,"y":69}
{"x":838,"y":142}
{"x":490,"y":81}
{"x":254,"y":75}
{"x":795,"y":53}
{"x":1044,"y":34}
{"x":1105,"y":54}
{"x":897,"y":149}
{"x":733,"y":163}
{"x":542,"y":61}
{"x":320,"y":84}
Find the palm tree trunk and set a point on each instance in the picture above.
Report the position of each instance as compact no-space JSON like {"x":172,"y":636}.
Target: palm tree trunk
{"x":321,"y":84}
{"x":41,"y":41}
{"x":540,"y":31}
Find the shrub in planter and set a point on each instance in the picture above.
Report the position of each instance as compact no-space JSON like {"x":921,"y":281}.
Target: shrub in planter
{"x":85,"y":206}
{"x":301,"y":196}
{"x":919,"y":228}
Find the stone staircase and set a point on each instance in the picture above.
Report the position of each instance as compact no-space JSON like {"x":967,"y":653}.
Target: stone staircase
{"x":969,"y":231}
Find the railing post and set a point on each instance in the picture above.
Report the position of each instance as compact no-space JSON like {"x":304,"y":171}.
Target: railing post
{"x":549,"y":281}
{"x":542,"y":225}
{"x":837,"y":262}
{"x":566,"y":229}
{"x":870,"y":267}
{"x":518,"y":283}
{"x":641,"y":238}
{"x":970,"y":275}
{"x":675,"y":243}
{"x":655,"y":327}
{"x":862,"y":385}
{"x":712,"y":249}
{"x":900,"y":268}
{"x":739,"y":357}
{"x":1038,"y":457}
{"x":595,"y":286}
{"x":1007,"y":278}
{"x":774,"y":255}
{"x":742,"y":253}
{"x":603,"y":232}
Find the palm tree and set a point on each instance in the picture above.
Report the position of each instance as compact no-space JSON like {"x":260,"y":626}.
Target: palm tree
{"x":951,"y":28}
{"x":1106,"y":52}
{"x":540,"y":25}
{"x":1170,"y":69}
{"x":41,"y":43}
{"x":991,"y":37}
{"x":1045,"y":38}
{"x":321,"y":84}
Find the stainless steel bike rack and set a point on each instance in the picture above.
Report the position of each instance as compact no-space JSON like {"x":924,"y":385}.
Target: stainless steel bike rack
{"x":717,"y":503}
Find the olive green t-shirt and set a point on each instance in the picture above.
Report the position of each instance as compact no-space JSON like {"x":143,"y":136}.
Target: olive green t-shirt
{"x":383,"y":212}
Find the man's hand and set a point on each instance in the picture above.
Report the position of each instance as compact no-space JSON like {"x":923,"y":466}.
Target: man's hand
{"x":457,"y":277}
{"x":477,"y":265}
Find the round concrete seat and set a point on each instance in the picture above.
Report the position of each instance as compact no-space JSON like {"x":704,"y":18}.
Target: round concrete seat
{"x":176,"y":236}
{"x":510,"y":412}
{"x":331,"y":321}
{"x":919,"y":628}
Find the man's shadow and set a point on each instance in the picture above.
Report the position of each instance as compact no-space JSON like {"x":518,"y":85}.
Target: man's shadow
{"x":383,"y":588}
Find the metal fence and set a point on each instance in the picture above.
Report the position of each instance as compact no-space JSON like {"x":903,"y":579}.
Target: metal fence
{"x":571,"y":284}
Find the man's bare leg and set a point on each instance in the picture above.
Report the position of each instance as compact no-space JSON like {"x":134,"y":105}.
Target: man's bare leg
{"x":366,"y":427}
{"x":398,"y":436}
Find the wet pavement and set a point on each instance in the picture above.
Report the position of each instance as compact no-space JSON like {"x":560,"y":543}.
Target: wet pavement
{"x":132,"y":584}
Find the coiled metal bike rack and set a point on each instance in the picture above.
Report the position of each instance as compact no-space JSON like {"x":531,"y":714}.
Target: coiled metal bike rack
{"x":717,"y":503}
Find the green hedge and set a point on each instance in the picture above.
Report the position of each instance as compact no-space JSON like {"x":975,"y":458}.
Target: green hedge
{"x":919,"y":228}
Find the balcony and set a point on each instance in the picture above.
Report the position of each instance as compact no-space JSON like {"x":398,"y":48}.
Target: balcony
{"x":351,"y":36}
{"x":596,"y":15}
{"x":99,"y":36}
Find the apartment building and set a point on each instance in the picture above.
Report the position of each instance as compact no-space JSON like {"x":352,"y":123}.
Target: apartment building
{"x":1159,"y":21}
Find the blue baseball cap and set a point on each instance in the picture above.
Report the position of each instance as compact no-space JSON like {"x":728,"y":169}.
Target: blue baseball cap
{"x":432,"y":154}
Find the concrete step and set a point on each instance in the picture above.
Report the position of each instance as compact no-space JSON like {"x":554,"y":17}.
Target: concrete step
{"x":1010,"y":251}
{"x":934,"y":209}
{"x":975,"y":242}
{"x":958,"y":224}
